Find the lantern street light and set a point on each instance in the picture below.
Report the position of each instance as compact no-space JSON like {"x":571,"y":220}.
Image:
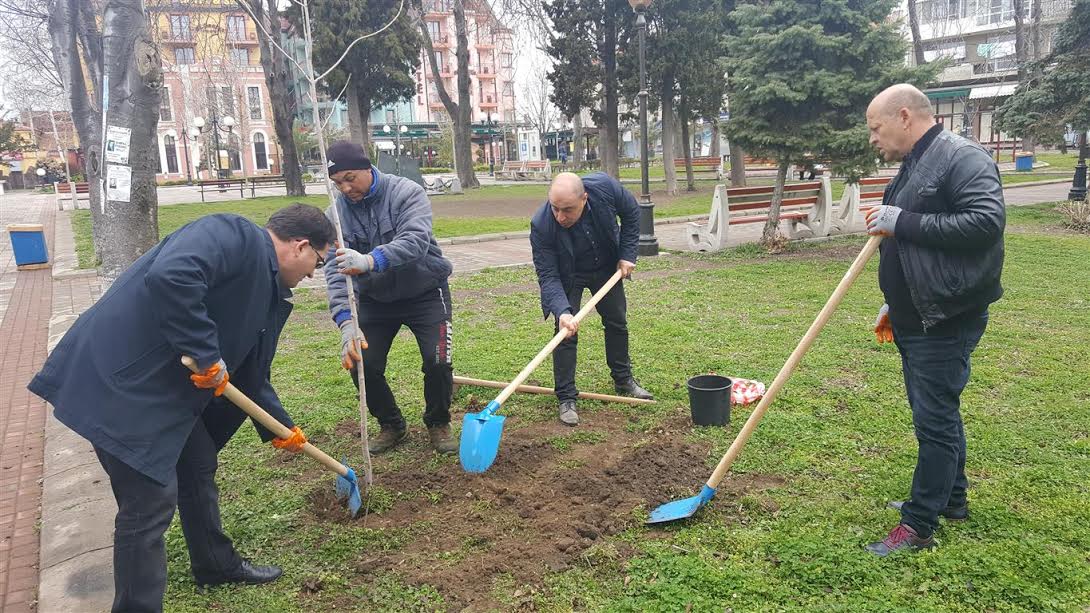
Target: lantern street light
{"x":648,"y":244}
{"x":1078,"y":182}
{"x":225,"y":125}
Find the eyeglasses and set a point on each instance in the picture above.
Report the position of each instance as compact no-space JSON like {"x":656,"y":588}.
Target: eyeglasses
{"x":321,"y":260}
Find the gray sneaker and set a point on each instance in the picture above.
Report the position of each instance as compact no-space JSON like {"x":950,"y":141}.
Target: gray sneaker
{"x":633,"y":390}
{"x":568,"y":416}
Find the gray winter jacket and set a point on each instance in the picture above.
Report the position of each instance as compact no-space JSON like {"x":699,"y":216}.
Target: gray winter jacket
{"x":393,"y":224}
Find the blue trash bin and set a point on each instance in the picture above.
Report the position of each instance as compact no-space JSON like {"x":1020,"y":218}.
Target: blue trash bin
{"x":1023,"y":162}
{"x":28,"y":245}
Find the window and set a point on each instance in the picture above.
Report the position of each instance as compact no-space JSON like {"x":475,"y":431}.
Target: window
{"x":164,"y":104}
{"x":433,"y":30}
{"x":998,"y":53}
{"x":261,"y":158}
{"x":253,"y":100}
{"x":184,"y":55}
{"x":505,"y":59}
{"x":236,"y":27}
{"x":993,"y":11}
{"x":439,"y":61}
{"x":509,"y":88}
{"x":240,"y":56}
{"x":179,"y":27}
{"x":171,"y":151}
{"x":953,"y":50}
{"x":227,"y":101}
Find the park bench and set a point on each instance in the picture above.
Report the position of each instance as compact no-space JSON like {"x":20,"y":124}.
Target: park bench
{"x":702,"y":165}
{"x":857,"y":196}
{"x":436,"y":185}
{"x":262,"y":181}
{"x":83,"y":192}
{"x":223,"y":185}
{"x":805,"y":208}
{"x":510,"y":170}
{"x":536,"y":169}
{"x":753,"y":163}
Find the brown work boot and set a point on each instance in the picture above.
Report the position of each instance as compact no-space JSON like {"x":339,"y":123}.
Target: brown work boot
{"x":441,"y":440}
{"x":387,"y":439}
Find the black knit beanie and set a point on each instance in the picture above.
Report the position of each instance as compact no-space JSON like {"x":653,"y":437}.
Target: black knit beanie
{"x":345,"y":155}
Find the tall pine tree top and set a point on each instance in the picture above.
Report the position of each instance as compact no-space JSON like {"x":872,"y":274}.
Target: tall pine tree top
{"x":802,"y":73}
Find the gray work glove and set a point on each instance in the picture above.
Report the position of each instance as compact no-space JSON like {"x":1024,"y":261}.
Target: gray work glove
{"x":352,"y":344}
{"x":882,"y":220}
{"x":352,"y":262}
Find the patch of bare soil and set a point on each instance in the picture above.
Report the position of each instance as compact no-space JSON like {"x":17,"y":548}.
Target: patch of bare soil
{"x":538,"y":509}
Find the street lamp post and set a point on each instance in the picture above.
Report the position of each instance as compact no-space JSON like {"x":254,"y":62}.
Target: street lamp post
{"x":648,"y":244}
{"x":1078,"y":182}
{"x":491,"y":145}
{"x":186,"y":135}
{"x":227,"y":126}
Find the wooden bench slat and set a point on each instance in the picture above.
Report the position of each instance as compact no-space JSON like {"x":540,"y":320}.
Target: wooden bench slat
{"x":763,"y":218}
{"x":790,"y":187}
{"x":787,"y":202}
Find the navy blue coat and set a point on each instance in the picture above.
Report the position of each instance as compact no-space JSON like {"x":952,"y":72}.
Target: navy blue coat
{"x":209,"y":290}
{"x":554,"y":253}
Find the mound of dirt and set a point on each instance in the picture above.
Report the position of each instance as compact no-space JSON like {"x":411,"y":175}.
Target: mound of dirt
{"x":552,"y":493}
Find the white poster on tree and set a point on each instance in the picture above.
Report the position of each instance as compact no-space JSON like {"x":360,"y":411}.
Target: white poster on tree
{"x":118,"y":183}
{"x":117,"y":145}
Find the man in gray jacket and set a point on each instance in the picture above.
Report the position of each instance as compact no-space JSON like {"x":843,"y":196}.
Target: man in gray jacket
{"x":399,"y":279}
{"x":943,"y":218}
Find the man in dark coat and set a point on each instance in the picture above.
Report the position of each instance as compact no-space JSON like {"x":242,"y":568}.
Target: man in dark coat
{"x":943,"y":217}
{"x":216,"y":291}
{"x":577,"y":245}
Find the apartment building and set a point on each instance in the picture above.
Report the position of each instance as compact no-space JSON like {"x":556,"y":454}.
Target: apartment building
{"x":214,"y":116}
{"x":977,"y":38}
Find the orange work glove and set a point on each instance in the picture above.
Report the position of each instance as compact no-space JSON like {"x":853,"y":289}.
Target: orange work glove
{"x":883,"y":329}
{"x":293,"y":443}
{"x":214,"y":377}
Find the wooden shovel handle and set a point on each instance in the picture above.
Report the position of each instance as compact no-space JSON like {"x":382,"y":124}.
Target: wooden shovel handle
{"x":793,"y":361}
{"x":535,"y":389}
{"x":560,"y":336}
{"x":262,"y":417}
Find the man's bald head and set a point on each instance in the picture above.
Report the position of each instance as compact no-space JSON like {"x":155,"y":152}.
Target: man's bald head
{"x":897,"y":118}
{"x":567,"y":197}
{"x":902,"y":96}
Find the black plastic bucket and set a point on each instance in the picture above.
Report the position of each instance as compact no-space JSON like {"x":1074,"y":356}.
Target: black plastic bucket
{"x":709,"y":400}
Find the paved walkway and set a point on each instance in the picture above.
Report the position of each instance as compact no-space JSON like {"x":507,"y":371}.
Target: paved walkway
{"x":77,"y":508}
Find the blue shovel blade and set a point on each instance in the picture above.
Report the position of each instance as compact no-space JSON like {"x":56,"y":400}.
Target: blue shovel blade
{"x":680,"y":509}
{"x":480,"y":440}
{"x":349,"y":488}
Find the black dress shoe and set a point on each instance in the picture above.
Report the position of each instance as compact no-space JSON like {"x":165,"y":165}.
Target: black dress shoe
{"x":951,"y":513}
{"x":633,"y":390}
{"x":247,"y":574}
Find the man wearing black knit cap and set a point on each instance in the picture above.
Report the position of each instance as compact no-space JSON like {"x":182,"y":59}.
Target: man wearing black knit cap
{"x":399,"y":278}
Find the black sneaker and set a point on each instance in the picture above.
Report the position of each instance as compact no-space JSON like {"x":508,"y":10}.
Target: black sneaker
{"x":901,"y":538}
{"x":951,"y":513}
{"x":248,"y":574}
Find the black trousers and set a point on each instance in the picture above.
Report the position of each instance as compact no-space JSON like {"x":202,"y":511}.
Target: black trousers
{"x":612,"y":308}
{"x":936,"y":370}
{"x":144,"y":511}
{"x":428,"y":318}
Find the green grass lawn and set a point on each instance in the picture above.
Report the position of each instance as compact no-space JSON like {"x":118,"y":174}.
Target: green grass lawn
{"x":832,"y":450}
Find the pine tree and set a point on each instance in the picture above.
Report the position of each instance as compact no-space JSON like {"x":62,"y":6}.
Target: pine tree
{"x":801,"y":76}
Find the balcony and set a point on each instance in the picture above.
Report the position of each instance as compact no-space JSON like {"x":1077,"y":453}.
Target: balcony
{"x":486,"y":72}
{"x":437,"y":7}
{"x":242,"y":38}
{"x":441,"y":41}
{"x":488,"y":43}
{"x":166,"y":37}
{"x":436,"y":105}
{"x":489,"y":103}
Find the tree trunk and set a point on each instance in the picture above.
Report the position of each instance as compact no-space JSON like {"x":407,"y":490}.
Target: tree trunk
{"x":364,"y":102}
{"x":914,"y":27}
{"x":686,"y":145}
{"x":668,"y":137}
{"x":715,"y":150}
{"x":770,"y":238}
{"x":125,"y":230}
{"x":277,"y":79}
{"x":737,"y":165}
{"x":579,"y":154}
{"x":609,"y":146}
{"x":461,"y":113}
{"x":1021,"y":53}
{"x":1028,"y":142}
{"x":355,"y":115}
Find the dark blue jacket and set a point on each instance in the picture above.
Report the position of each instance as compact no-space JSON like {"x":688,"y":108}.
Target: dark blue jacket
{"x":209,"y":290}
{"x":554,"y":254}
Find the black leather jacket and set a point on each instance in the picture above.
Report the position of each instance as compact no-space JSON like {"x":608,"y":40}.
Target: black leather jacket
{"x":950,"y":232}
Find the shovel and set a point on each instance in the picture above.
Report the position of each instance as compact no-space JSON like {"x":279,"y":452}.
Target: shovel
{"x":347,"y":485}
{"x":536,"y":389}
{"x":481,"y":431}
{"x":680,"y":509}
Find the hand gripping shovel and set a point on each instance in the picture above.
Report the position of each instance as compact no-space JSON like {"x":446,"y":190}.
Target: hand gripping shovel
{"x":347,"y":485}
{"x":680,"y":509}
{"x":481,"y":431}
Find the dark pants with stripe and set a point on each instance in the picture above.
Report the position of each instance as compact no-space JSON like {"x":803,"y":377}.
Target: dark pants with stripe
{"x":936,"y":370}
{"x":428,"y":317}
{"x":144,"y":511}
{"x":613,"y":309}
